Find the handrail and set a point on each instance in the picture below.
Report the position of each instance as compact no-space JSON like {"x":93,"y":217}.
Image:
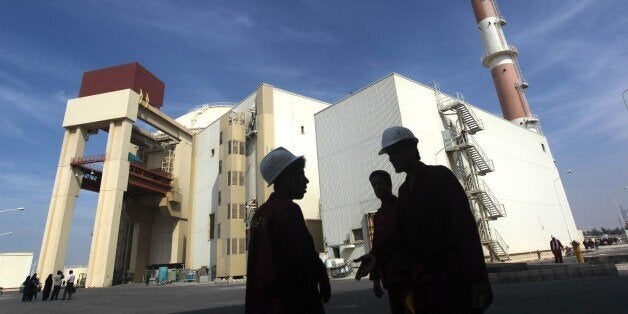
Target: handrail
{"x":488,"y":191}
{"x":498,"y":238}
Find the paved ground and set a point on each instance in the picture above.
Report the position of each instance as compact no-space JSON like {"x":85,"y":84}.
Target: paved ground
{"x":595,"y":295}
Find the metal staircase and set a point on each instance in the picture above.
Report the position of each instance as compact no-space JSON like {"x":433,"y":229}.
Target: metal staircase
{"x":481,"y":193}
{"x":471,"y":161}
{"x":465,"y":142}
{"x":468,"y":117}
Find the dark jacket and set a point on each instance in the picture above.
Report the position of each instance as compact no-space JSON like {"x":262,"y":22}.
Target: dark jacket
{"x":283,"y":268}
{"x":396,"y":271}
{"x":437,"y":232}
{"x":47,"y":287}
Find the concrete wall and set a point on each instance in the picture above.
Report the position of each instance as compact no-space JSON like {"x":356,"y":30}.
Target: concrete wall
{"x":205,"y":192}
{"x":14,"y":267}
{"x":348,"y":140}
{"x":291,"y":112}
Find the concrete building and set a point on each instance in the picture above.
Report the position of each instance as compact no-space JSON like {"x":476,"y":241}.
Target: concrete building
{"x":227,"y":184}
{"x":14,"y":267}
{"x":179,"y":196}
{"x":507,"y":169}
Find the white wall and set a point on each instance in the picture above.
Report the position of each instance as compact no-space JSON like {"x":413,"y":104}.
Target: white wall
{"x":526,"y":181}
{"x":205,"y":195}
{"x":348,"y":140}
{"x":14,"y":267}
{"x":349,"y":135}
{"x":291,"y":111}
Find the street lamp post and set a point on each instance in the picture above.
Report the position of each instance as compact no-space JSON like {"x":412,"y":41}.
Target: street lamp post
{"x":562,"y":211}
{"x":625,"y":187}
{"x":11,"y":209}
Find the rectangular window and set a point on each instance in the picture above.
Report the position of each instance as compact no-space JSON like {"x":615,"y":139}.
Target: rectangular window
{"x":241,"y":176}
{"x":220,"y":138}
{"x":358,"y":236}
{"x":302,"y":130}
{"x":228,"y":210}
{"x":219,"y":198}
{"x":229,"y":144}
{"x":543,"y":147}
{"x":241,"y":211}
{"x":211,"y":226}
{"x":234,"y":246}
{"x":235,"y":147}
{"x":228,"y":246}
{"x":242,"y":246}
{"x":219,"y":166}
{"x":218,"y":231}
{"x":242,"y":149}
{"x":234,"y":211}
{"x":234,"y":178}
{"x":228,"y":177}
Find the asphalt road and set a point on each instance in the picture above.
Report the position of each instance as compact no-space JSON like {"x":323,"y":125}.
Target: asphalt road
{"x":595,"y":295}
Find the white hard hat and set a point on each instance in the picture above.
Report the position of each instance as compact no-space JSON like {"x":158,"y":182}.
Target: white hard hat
{"x":395,"y":134}
{"x":275,"y":162}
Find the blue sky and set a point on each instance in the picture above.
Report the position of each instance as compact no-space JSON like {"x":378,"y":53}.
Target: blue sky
{"x":574,"y":54}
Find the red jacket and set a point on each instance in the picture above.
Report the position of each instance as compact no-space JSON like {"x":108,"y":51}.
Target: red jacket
{"x":283,"y":268}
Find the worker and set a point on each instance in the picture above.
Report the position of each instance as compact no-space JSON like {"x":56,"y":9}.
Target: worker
{"x":396,"y":278}
{"x":557,"y":250}
{"x":436,"y":230}
{"x":284,"y":272}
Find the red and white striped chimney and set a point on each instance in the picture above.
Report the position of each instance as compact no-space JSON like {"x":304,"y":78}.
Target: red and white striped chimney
{"x":501,"y":58}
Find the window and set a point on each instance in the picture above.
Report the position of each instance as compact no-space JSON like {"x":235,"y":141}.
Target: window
{"x":219,"y":198}
{"x":220,"y":138}
{"x":242,"y":211}
{"x":218,"y":231}
{"x":211,"y":226}
{"x":358,"y":236}
{"x":234,"y":178}
{"x":234,"y":246}
{"x":302,"y":130}
{"x":228,"y":177}
{"x":234,"y":211}
{"x":212,"y":152}
{"x":242,"y":149}
{"x":228,"y":246}
{"x":241,"y":175}
{"x":229,"y":144}
{"x":235,"y":147}
{"x":543,"y":147}
{"x":219,"y":166}
{"x":228,"y":210}
{"x":242,"y":246}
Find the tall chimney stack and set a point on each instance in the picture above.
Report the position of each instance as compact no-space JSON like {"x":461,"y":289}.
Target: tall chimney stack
{"x":501,"y":58}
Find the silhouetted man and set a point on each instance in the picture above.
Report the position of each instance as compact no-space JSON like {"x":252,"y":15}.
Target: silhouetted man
{"x":284,"y":272}
{"x":436,"y":230}
{"x":557,"y":250}
{"x":394,"y":279}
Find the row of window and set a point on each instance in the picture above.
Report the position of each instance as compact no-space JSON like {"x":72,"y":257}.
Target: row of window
{"x":235,"y":178}
{"x":236,"y":246}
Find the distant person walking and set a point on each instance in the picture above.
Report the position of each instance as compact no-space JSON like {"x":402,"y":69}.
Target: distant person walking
{"x":37,"y":284}
{"x":284,"y":272}
{"x":47,"y":288}
{"x":28,"y":290}
{"x":557,"y":250}
{"x":69,"y":286}
{"x":396,"y":277}
{"x":57,"y":280}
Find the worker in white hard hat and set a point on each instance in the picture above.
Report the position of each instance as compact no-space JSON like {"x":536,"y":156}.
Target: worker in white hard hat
{"x":436,"y":230}
{"x":284,"y":272}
